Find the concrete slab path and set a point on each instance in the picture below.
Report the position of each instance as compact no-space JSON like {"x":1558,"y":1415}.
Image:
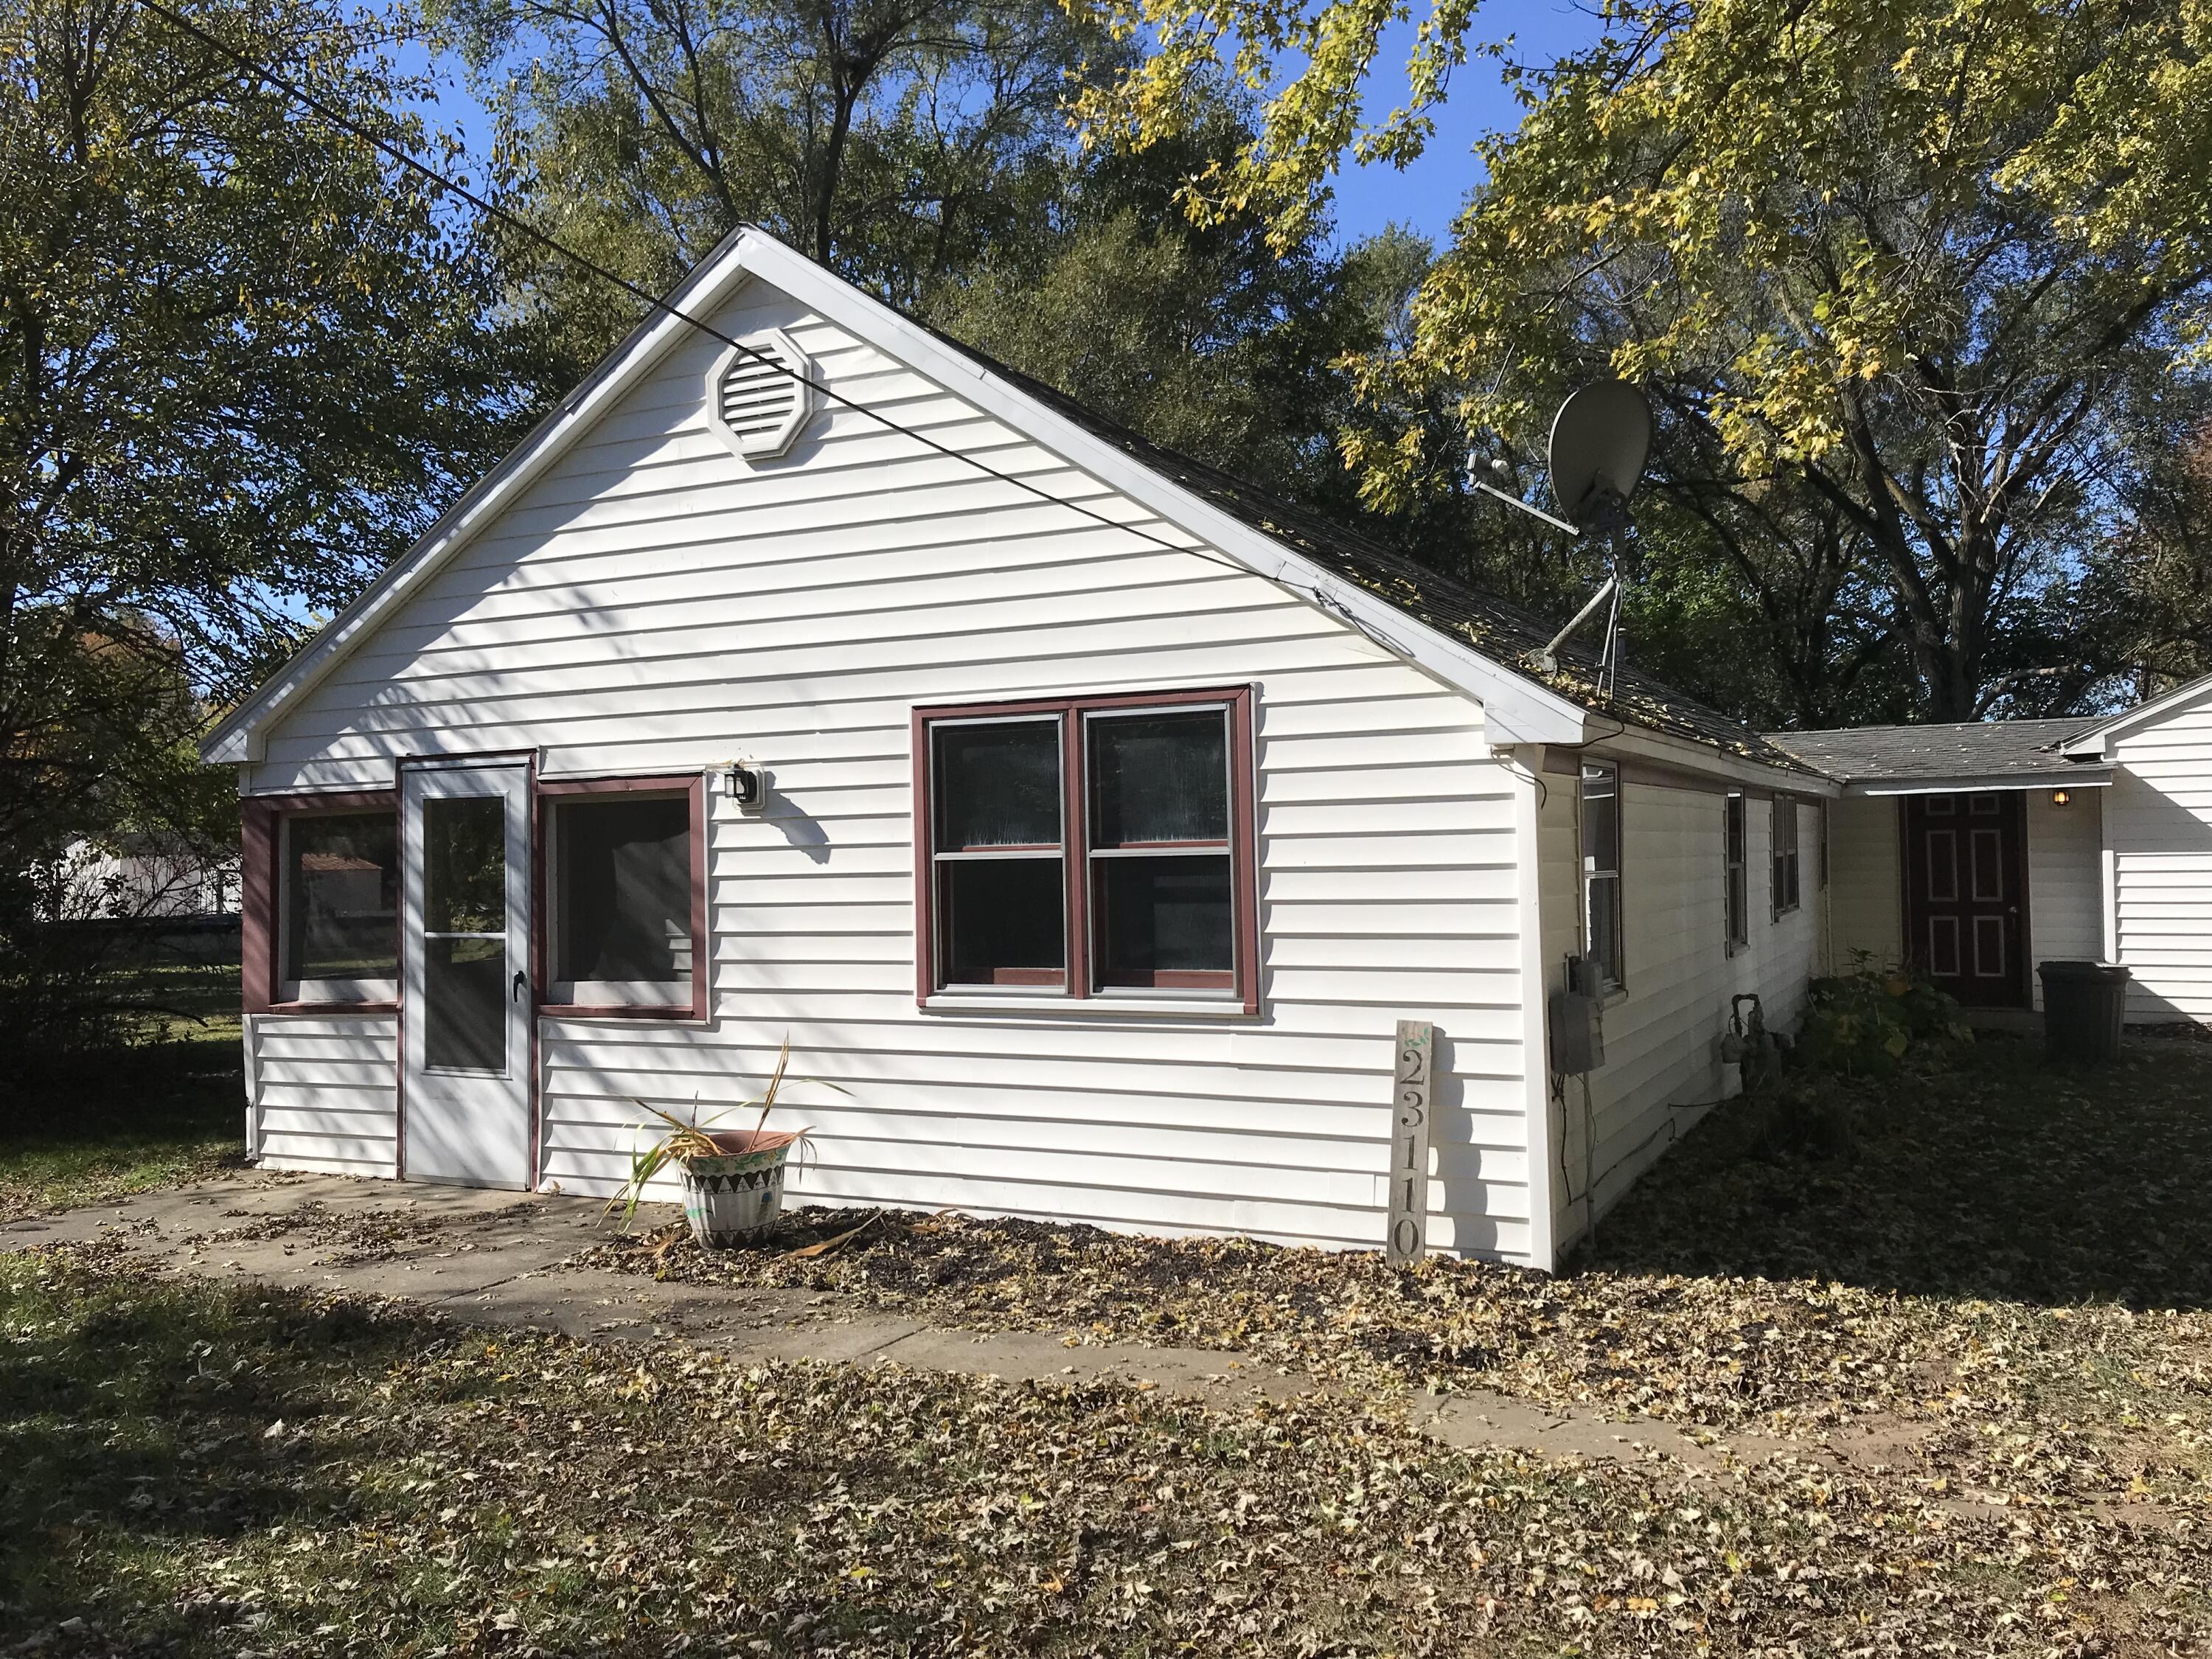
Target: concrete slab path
{"x":498,"y":1259}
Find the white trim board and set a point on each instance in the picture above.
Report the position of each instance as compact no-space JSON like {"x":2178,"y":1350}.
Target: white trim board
{"x":1516,"y":709}
{"x":2096,"y":742}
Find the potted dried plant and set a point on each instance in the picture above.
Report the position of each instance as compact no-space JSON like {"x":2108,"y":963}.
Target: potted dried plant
{"x":733,"y":1178}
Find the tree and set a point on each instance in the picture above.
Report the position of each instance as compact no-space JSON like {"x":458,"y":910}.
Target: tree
{"x":242,"y":363}
{"x":893,"y":140}
{"x":1208,"y":339}
{"x":1889,"y":262}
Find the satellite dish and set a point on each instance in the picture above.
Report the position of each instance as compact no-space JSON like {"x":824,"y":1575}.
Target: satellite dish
{"x":1600,"y":439}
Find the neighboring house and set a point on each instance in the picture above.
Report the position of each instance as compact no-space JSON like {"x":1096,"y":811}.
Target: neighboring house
{"x":144,"y":878}
{"x":1114,"y":814}
{"x":1976,"y":851}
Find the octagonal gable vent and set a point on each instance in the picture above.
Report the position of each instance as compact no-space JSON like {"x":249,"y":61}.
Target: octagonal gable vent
{"x":760,"y":395}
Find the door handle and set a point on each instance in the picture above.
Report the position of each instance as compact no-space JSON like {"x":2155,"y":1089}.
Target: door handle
{"x":521,"y":984}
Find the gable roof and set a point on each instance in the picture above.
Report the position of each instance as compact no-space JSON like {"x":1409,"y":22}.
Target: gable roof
{"x":1506,"y":633}
{"x":1475,"y":643}
{"x":2000,"y":754}
{"x":2097,"y":740}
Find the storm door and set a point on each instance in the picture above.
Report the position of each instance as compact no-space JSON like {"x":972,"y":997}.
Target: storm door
{"x":465,"y":981}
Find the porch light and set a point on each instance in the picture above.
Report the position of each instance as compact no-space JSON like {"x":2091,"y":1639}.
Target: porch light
{"x":2060,"y":797}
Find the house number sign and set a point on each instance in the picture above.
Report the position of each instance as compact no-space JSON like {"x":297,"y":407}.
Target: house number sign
{"x":1412,"y":1104}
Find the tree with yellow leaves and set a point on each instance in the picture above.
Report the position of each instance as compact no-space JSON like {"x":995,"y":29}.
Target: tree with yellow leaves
{"x":1886,"y":265}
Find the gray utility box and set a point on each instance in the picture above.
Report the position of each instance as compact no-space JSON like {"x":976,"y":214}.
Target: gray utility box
{"x":1577,"y":1033}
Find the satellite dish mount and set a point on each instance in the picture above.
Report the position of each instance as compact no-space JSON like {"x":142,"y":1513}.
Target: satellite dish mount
{"x":1601,"y":438}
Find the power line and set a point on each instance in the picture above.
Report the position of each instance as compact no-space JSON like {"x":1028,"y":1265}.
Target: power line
{"x":346,"y":124}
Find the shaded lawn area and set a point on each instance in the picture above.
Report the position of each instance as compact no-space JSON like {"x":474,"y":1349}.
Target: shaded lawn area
{"x":198,"y":1469}
{"x":167,"y":1109}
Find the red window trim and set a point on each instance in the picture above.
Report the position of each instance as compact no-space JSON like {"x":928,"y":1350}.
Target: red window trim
{"x":1243,"y":982}
{"x":693,"y":786}
{"x":259,"y":880}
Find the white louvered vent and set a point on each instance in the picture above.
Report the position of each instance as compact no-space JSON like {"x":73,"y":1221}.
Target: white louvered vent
{"x":760,"y":396}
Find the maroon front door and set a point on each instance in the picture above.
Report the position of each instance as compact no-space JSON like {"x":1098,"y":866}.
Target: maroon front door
{"x":1965,"y":895}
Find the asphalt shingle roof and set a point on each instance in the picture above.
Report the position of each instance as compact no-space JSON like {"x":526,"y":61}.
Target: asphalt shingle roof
{"x":1503,"y":632}
{"x":1904,"y":754}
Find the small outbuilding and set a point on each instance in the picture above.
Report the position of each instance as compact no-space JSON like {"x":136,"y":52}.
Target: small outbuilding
{"x":1089,"y":818}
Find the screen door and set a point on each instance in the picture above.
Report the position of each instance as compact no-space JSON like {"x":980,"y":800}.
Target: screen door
{"x":465,"y":978}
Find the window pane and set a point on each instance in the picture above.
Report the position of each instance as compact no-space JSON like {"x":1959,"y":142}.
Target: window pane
{"x":342,"y":897}
{"x":1004,"y":920}
{"x":1159,"y":777}
{"x":1601,"y":819}
{"x":1162,"y":915}
{"x":623,"y":890}
{"x":1605,"y":927}
{"x":998,"y":785}
{"x":464,"y":860}
{"x":465,"y":992}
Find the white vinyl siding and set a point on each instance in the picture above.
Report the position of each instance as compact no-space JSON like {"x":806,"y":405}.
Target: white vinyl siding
{"x":1864,"y":906}
{"x":323,"y":1092}
{"x":2158,"y":826}
{"x":1661,"y":1037}
{"x":652,"y":604}
{"x":2065,"y":910}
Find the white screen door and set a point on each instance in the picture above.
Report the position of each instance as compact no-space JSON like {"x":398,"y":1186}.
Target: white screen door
{"x":465,"y":980}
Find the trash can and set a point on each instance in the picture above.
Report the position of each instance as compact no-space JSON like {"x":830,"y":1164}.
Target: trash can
{"x":2084,"y":1006}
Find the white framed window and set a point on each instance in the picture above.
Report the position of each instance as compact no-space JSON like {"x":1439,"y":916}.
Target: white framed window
{"x":1602,"y":909}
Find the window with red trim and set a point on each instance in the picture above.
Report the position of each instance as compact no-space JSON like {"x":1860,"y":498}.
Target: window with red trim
{"x":1088,"y":847}
{"x":625,"y":895}
{"x":321,"y":901}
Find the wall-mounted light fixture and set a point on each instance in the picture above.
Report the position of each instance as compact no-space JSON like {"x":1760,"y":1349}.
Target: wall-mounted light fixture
{"x":2060,"y":797}
{"x":747,"y":784}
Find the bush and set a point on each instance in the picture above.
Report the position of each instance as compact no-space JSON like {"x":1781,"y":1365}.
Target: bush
{"x":1865,"y":1023}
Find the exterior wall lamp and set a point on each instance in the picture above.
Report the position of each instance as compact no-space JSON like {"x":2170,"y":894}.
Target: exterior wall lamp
{"x":2060,"y":797}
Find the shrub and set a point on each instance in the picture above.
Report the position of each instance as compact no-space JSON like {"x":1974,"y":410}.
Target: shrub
{"x":1864,"y":1023}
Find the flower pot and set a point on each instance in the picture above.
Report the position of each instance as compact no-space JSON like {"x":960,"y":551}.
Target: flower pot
{"x":734,"y":1196}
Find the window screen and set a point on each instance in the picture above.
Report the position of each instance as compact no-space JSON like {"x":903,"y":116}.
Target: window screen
{"x":1736,"y":834}
{"x":1159,"y":849}
{"x":1600,"y":815}
{"x":1000,"y":875}
{"x":1785,"y":863}
{"x":340,"y":897}
{"x":621,"y":891}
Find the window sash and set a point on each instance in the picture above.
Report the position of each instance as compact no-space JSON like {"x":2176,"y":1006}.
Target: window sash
{"x":1602,"y":942}
{"x":1083,"y":973}
{"x":680,"y":999}
{"x":1734,"y":856}
{"x":264,"y":923}
{"x":1785,"y":893}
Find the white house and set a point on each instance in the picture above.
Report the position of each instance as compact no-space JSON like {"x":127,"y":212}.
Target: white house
{"x":1976,"y":851}
{"x":1112,"y":815}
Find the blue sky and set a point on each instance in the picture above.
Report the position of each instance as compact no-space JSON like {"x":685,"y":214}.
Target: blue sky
{"x":1427,"y":194}
{"x":1424,"y":196}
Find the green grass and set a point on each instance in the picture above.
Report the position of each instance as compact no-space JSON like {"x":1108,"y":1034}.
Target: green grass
{"x":165,"y":1104}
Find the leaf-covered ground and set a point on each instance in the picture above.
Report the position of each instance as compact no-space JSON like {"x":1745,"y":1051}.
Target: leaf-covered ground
{"x":195,"y":1469}
{"x":2006,"y":1267}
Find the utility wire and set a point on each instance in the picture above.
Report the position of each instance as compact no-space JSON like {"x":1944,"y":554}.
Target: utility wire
{"x":346,"y":124}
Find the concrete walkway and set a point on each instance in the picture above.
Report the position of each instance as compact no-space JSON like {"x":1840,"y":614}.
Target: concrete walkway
{"x":497,"y":1259}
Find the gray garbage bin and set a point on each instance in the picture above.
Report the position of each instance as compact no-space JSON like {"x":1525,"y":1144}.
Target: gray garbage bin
{"x":2084,"y":1006}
